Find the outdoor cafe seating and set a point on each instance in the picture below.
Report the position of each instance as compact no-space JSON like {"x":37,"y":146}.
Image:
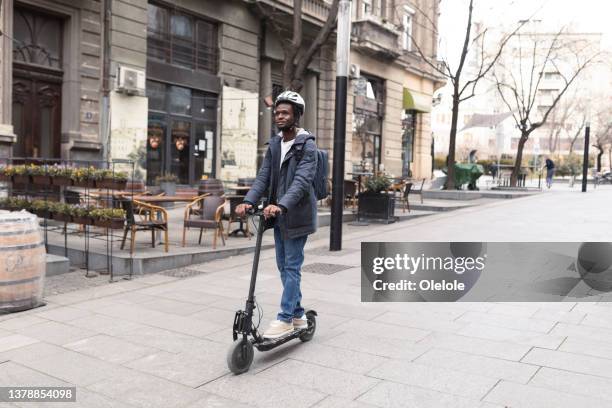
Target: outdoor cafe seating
{"x":205,"y":212}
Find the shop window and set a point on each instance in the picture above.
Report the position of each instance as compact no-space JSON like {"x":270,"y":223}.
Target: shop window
{"x":409,"y":127}
{"x":181,"y":132}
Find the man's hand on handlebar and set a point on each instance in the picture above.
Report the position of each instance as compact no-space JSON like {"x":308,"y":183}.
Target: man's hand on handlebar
{"x":241,"y":209}
{"x":271,"y":211}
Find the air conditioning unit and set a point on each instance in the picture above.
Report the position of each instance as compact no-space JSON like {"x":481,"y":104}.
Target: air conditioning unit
{"x":130,"y":81}
{"x":354,"y":71}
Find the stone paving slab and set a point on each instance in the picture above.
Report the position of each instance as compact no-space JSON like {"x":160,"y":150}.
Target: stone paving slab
{"x":439,"y":379}
{"x":479,"y":365}
{"x":523,"y":396}
{"x":161,"y":341}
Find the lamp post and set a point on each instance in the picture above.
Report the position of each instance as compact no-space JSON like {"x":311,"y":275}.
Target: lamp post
{"x":343,"y":45}
{"x":585,"y":160}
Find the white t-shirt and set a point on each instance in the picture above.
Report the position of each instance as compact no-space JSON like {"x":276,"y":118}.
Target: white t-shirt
{"x":285,"y":146}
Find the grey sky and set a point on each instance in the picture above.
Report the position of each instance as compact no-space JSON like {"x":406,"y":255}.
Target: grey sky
{"x":591,"y":16}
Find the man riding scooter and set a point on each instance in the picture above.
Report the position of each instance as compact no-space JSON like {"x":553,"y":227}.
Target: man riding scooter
{"x":287,"y":172}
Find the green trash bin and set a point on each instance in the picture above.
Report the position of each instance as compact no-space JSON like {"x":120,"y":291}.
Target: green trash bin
{"x":467,"y":173}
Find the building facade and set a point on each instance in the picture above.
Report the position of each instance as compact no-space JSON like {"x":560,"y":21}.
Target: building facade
{"x":183,"y":87}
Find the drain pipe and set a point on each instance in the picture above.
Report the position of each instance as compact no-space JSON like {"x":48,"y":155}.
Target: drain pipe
{"x":105,"y":128}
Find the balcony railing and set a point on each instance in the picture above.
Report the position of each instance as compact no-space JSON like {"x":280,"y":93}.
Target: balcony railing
{"x":314,"y":9}
{"x":376,"y":38}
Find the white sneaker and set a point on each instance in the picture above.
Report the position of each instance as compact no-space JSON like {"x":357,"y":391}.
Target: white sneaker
{"x":277,"y":329}
{"x":300,"y":322}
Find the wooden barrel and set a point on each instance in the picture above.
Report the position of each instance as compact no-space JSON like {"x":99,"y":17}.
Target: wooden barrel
{"x":22,"y":262}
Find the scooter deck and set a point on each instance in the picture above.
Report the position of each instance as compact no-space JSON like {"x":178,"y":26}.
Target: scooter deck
{"x":268,"y":344}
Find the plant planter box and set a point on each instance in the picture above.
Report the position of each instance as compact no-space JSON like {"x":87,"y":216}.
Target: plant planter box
{"x":168,"y":187}
{"x":21,"y":179}
{"x":82,"y":220}
{"x":62,"y":217}
{"x":4,"y":177}
{"x":376,"y":207}
{"x":84,"y":183}
{"x":61,"y":181}
{"x":41,"y":180}
{"x":111,"y":184}
{"x":42,"y":213}
{"x":113,"y":223}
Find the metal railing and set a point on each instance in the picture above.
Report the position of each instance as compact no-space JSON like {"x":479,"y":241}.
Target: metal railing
{"x":319,"y":9}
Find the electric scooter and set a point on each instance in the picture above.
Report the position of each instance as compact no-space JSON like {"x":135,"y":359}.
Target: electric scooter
{"x":246,"y":335}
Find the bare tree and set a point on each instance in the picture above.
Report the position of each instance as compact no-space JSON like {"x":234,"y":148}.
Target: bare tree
{"x":560,"y":118}
{"x":464,"y":88}
{"x":297,"y":55}
{"x":519,"y":82}
{"x":578,"y":131}
{"x":603,"y":132}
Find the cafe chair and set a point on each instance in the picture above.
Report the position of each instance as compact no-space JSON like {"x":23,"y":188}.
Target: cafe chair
{"x":205,"y":212}
{"x":419,"y":190}
{"x":150,"y":218}
{"x":404,"y":197}
{"x":350,"y":193}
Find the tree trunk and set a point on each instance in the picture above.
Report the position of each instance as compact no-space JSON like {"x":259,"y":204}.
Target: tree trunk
{"x":599,"y":156}
{"x":519,"y":160}
{"x":450,"y":162}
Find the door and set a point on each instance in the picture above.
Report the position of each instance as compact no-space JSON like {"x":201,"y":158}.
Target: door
{"x":37,"y":83}
{"x":181,"y":133}
{"x":36,"y":117}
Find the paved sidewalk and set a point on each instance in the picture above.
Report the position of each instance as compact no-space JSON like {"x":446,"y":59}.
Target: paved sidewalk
{"x":161,"y":340}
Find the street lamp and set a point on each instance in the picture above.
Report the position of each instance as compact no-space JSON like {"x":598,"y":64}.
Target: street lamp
{"x":585,"y":160}
{"x":343,"y":45}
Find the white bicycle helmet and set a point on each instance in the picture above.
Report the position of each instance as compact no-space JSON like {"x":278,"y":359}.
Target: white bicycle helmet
{"x":293,"y":98}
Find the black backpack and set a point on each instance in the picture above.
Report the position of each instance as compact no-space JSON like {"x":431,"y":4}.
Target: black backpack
{"x":320,"y":180}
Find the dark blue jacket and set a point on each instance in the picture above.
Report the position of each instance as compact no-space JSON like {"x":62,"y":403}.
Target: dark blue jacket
{"x":290,"y":185}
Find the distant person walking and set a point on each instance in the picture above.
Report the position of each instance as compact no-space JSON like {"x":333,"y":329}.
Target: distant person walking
{"x":550,"y":171}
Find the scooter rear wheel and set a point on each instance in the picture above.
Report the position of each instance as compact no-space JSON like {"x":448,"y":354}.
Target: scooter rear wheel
{"x":240,"y":356}
{"x":312,"y":327}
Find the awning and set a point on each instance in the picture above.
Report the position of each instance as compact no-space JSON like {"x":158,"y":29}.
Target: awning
{"x":416,"y":101}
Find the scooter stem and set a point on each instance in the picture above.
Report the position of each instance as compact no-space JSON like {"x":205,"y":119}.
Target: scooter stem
{"x":260,"y":232}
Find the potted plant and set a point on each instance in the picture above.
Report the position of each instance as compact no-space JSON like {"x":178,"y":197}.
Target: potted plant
{"x":167,"y":183}
{"x":60,"y":175}
{"x":20,"y":174}
{"x":41,"y":208}
{"x":39,"y":174}
{"x":81,"y":214}
{"x":61,"y":212}
{"x":114,"y":180}
{"x":375,"y":203}
{"x":108,"y":217}
{"x":83,"y":177}
{"x":16,"y":204}
{"x":5,"y":173}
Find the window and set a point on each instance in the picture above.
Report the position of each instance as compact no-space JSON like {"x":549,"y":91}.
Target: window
{"x":552,"y":75}
{"x":407,"y":28}
{"x":366,"y":8}
{"x":181,"y":39}
{"x":38,"y":39}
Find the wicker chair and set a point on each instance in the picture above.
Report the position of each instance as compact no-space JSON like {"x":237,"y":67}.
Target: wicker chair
{"x":151,"y":218}
{"x":205,"y":212}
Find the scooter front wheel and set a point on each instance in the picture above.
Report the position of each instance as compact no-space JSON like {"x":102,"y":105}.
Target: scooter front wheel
{"x":240,"y":356}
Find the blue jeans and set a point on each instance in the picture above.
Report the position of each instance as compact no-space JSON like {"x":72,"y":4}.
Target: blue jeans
{"x":289,"y":259}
